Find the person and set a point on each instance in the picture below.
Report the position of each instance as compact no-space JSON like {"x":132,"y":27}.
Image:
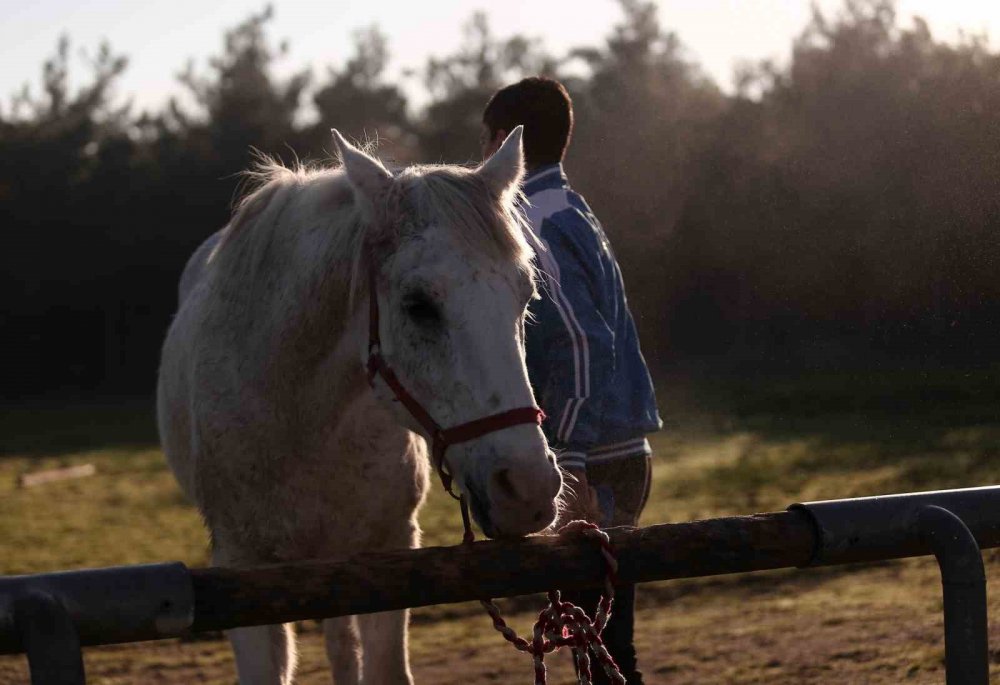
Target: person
{"x":582,"y":351}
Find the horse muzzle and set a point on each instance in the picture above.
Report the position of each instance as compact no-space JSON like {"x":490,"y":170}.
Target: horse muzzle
{"x":521,"y":497}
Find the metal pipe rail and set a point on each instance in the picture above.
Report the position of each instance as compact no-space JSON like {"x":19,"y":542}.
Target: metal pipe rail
{"x":125,"y":604}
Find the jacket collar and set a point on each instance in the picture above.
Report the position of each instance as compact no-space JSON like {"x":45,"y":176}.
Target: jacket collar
{"x":545,"y":177}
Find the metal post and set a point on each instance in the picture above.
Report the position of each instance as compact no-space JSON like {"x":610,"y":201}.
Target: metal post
{"x":50,"y":639}
{"x":107,"y":605}
{"x":878,"y":528}
{"x":963,"y":579}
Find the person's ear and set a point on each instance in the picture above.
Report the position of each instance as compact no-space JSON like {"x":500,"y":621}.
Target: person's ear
{"x":499,"y":138}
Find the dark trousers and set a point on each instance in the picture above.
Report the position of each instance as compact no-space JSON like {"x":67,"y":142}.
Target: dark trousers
{"x":623,"y":488}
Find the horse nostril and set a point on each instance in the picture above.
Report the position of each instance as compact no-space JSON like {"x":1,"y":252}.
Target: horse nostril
{"x":502,"y":479}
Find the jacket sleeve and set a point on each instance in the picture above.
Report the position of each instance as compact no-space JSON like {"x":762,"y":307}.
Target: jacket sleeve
{"x":573,"y":341}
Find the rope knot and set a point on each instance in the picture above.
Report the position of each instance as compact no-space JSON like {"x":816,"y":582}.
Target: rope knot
{"x":562,"y":624}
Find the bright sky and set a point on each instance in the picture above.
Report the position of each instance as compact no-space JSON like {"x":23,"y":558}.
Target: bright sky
{"x":160,"y":37}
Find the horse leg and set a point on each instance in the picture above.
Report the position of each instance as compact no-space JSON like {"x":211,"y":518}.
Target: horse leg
{"x":265,"y":655}
{"x":383,"y":640}
{"x":343,"y":649}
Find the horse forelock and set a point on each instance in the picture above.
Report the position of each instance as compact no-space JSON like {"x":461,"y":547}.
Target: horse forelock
{"x":455,"y":197}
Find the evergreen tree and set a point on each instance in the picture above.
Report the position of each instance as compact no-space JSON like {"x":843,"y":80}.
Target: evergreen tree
{"x":357,"y":100}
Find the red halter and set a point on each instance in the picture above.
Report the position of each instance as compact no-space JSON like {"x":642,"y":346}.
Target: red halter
{"x":441,"y":438}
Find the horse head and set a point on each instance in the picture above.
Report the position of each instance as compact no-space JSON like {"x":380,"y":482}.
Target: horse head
{"x":451,"y":271}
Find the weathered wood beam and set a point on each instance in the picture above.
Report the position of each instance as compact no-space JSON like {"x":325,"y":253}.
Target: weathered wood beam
{"x":226,"y":597}
{"x":833,"y":532}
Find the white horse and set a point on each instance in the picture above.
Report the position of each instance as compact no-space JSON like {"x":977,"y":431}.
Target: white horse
{"x":264,"y":411}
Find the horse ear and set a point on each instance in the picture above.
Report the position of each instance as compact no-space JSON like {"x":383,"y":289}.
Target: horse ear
{"x":505,"y":168}
{"x":366,"y":174}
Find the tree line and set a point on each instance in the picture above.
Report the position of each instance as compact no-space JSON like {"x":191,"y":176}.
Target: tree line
{"x":840,"y":208}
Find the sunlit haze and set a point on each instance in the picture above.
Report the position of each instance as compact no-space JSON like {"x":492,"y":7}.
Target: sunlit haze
{"x":159,"y":38}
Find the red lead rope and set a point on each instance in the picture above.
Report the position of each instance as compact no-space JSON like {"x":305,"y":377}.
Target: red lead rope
{"x":560,"y":624}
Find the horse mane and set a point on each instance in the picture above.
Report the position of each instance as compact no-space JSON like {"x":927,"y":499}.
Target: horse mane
{"x":261,"y":183}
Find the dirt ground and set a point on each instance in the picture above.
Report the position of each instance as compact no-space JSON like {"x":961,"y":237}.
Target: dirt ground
{"x":873,"y":624}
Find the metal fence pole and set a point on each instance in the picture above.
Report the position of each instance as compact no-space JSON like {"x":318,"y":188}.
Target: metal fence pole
{"x":963,"y":579}
{"x":50,"y":639}
{"x":107,"y":605}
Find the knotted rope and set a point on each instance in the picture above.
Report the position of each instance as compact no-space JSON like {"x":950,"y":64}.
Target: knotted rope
{"x":562,"y":624}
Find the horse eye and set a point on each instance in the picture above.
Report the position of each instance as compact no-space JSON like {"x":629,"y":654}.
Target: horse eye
{"x":422,"y":309}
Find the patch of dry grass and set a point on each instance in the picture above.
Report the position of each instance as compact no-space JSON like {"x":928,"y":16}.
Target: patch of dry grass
{"x":130,"y":512}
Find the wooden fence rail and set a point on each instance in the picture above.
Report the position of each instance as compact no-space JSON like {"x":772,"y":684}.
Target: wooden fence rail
{"x":226,"y":597}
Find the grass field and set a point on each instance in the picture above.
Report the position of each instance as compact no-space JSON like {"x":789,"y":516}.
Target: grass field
{"x":730,"y":447}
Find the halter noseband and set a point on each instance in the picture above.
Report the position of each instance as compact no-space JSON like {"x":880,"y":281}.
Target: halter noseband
{"x":441,"y":438}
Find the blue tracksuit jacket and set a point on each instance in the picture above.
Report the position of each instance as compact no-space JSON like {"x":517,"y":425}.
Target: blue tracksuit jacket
{"x":583,"y":354}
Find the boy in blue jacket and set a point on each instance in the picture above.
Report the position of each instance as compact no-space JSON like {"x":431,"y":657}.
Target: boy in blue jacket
{"x":583,"y":355}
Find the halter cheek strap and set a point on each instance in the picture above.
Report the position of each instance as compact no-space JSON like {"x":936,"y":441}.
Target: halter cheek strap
{"x":441,"y":438}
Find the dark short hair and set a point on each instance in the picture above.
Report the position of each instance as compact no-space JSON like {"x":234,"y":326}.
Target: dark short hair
{"x":545,"y":109}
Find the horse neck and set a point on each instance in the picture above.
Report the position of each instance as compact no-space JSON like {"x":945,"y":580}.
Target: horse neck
{"x":286,"y":319}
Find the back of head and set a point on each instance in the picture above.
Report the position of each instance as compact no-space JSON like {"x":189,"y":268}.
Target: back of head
{"x":544,"y":108}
